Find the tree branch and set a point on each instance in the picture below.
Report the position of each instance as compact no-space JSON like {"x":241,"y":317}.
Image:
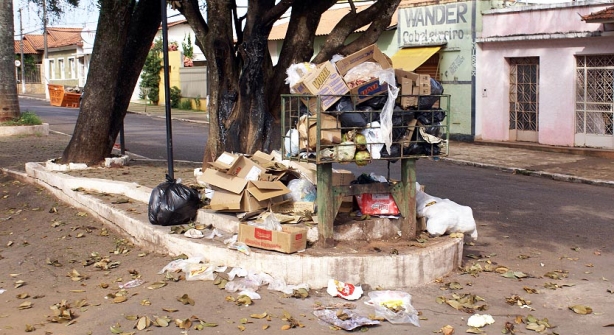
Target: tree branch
{"x":276,"y":12}
{"x":377,"y":16}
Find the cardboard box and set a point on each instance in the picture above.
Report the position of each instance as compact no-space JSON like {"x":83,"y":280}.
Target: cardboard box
{"x":245,"y":168}
{"x":406,"y":99}
{"x":264,"y":190}
{"x":223,"y":180}
{"x":329,"y":130}
{"x":290,"y":239}
{"x":262,"y":158}
{"x":224,"y":161}
{"x":372,"y":87}
{"x":377,"y":204}
{"x":309,"y":171}
{"x":369,"y":54}
{"x":225,"y":201}
{"x":324,"y":81}
{"x":368,"y":90}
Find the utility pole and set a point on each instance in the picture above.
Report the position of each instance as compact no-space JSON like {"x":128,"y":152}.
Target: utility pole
{"x":45,"y":29}
{"x":23,"y":64}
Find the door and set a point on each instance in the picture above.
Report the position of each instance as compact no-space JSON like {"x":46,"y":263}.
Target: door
{"x":594,"y":101}
{"x":524,"y":99}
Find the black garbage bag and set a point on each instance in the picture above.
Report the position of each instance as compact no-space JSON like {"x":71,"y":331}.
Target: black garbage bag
{"x":343,"y":105}
{"x":414,"y":149}
{"x":431,"y":117}
{"x":353,"y":120}
{"x":370,"y":114}
{"x":395,"y":151}
{"x":172,"y":203}
{"x":377,"y":102}
{"x":434,"y":129}
{"x":427,"y":102}
{"x":431,"y":149}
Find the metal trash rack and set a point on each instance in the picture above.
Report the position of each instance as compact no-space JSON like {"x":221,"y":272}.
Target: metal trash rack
{"x":316,"y":144}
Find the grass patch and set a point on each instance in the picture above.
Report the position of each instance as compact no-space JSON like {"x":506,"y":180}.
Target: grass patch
{"x":185,"y":104}
{"x":26,"y":119}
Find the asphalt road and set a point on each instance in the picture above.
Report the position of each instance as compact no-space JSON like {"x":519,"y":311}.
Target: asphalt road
{"x":144,"y":135}
{"x":545,"y":212}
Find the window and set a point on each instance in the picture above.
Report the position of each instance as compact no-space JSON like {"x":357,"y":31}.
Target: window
{"x":72,"y":73}
{"x":51,"y":69}
{"x":595,"y":95}
{"x":62,"y":69}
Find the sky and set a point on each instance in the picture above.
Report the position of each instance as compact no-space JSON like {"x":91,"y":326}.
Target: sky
{"x":84,"y":15}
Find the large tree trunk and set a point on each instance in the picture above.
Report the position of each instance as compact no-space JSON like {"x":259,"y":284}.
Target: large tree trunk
{"x":123,"y":38}
{"x":9,"y":103}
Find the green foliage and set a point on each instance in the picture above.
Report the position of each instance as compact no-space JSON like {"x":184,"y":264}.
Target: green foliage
{"x":188,"y":48}
{"x":197,"y":102}
{"x":175,"y":96}
{"x":151,"y":72}
{"x":185,"y":104}
{"x":26,"y":119}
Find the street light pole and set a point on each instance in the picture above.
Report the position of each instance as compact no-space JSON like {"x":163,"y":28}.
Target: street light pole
{"x":23,"y":64}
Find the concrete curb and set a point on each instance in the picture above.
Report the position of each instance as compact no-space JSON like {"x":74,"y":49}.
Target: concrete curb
{"x":39,"y":130}
{"x":533,"y":173}
{"x":419,"y":267}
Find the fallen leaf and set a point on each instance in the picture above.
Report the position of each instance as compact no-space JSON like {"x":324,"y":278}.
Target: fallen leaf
{"x":23,"y":295}
{"x":259,"y":316}
{"x":241,"y":327}
{"x":447,"y":330}
{"x":25,"y":305}
{"x":143,"y":323}
{"x":19,"y":283}
{"x":581,"y":309}
{"x":156,"y":285}
{"x":170,"y":310}
{"x":530,"y":290}
{"x":30,"y":328}
{"x":285,"y":327}
{"x":119,"y":299}
{"x":186,"y":300}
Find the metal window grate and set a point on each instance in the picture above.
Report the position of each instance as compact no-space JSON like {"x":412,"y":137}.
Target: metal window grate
{"x":524,"y":93}
{"x":595,"y":94}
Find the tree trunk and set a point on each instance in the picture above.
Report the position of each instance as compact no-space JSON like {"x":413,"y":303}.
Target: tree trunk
{"x":9,"y":103}
{"x":123,"y":38}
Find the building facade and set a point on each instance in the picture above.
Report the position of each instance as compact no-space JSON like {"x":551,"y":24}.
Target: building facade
{"x":545,"y":75}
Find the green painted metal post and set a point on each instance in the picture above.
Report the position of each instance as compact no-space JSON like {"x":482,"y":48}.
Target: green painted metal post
{"x":326,"y":204}
{"x":404,"y":194}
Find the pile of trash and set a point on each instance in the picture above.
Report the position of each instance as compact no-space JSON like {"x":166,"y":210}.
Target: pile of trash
{"x":365,"y":110}
{"x":392,"y":306}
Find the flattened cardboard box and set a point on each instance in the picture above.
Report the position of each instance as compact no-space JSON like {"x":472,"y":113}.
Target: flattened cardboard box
{"x":289,"y":240}
{"x":224,"y":201}
{"x":223,"y":180}
{"x":264,"y":190}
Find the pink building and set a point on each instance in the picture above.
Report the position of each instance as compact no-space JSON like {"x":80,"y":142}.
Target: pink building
{"x":545,"y":74}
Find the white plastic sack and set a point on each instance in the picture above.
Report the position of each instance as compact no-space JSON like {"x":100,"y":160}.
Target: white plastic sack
{"x":394,"y":306}
{"x":444,"y":216}
{"x":363,"y":71}
{"x":291,"y":142}
{"x":373,"y":135}
{"x":296,"y":71}
{"x":387,"y":76}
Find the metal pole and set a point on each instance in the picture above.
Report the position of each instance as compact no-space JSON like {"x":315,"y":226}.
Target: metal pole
{"x":44,"y":29}
{"x":167,"y":91}
{"x":23,"y":64}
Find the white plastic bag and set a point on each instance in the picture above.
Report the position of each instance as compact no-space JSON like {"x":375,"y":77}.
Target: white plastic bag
{"x":291,"y":142}
{"x":444,"y":216}
{"x":363,"y":71}
{"x":373,"y":135}
{"x":394,"y":306}
{"x":387,"y":76}
{"x":296,"y":71}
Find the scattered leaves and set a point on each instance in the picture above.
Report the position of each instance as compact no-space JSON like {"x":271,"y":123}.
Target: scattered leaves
{"x":517,"y":300}
{"x":536,"y":324}
{"x":557,"y":274}
{"x":530,"y":290}
{"x":468,"y":303}
{"x":61,"y":313}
